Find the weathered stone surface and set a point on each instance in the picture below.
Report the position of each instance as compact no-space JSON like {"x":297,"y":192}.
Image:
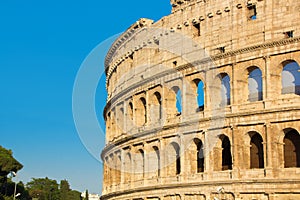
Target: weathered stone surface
{"x":239,"y":138}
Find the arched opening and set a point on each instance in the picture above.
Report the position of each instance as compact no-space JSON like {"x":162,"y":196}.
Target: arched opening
{"x":139,"y":162}
{"x":106,"y":172}
{"x":200,"y":94}
{"x":178,"y":163}
{"x":120,"y":119}
{"x":158,"y":109}
{"x":225,"y":90}
{"x":130,"y":111}
{"x":291,"y":149}
{"x":113,"y":123}
{"x":256,"y":152}
{"x":178,"y":99}
{"x":141,"y":112}
{"x":290,"y":78}
{"x":226,"y":154}
{"x":157,"y":160}
{"x":127,"y":168}
{"x":112,"y":169}
{"x":108,"y":123}
{"x":200,"y":155}
{"x":173,"y":159}
{"x":144,"y":110}
{"x":118,"y":168}
{"x":255,"y":86}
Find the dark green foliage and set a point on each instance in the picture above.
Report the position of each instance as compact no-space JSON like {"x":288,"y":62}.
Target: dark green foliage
{"x":86,"y":195}
{"x":47,"y":189}
{"x":64,"y":189}
{"x":43,"y":189}
{"x":8,"y":163}
{"x":66,"y":193}
{"x":74,"y":195}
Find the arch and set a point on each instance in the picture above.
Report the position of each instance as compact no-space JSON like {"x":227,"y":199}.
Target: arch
{"x":106,"y":172}
{"x":120,"y":119}
{"x":157,"y":160}
{"x":141,"y":114}
{"x":291,"y":148}
{"x":226,"y":153}
{"x":118,"y":163}
{"x":255,"y":85}
{"x":127,"y":167}
{"x":108,"y":123}
{"x":290,"y":78}
{"x":113,"y":123}
{"x":199,"y":155}
{"x":130,"y":111}
{"x":158,"y":104}
{"x":139,"y":164}
{"x":256,"y":151}
{"x":173,"y":159}
{"x":144,"y":109}
{"x":178,"y":98}
{"x":200,"y":94}
{"x":225,"y":89}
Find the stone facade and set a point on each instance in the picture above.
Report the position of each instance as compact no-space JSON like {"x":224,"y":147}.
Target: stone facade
{"x":205,"y":104}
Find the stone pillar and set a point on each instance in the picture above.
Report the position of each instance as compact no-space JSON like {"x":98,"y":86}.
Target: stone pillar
{"x":147,"y":162}
{"x":237,"y":151}
{"x":148,"y":120}
{"x":189,"y":102}
{"x":163,"y":160}
{"x":270,"y":147}
{"x":234,"y":86}
{"x":266,"y":78}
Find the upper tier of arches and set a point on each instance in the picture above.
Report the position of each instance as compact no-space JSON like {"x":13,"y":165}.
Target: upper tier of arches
{"x":181,"y":98}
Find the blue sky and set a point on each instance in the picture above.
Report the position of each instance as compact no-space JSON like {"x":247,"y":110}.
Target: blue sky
{"x":42,"y":46}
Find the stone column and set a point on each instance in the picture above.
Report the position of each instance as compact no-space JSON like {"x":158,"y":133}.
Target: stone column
{"x":237,"y":151}
{"x":266,"y":78}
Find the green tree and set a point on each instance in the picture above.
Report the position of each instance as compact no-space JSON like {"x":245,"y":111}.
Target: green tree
{"x":24,"y":195}
{"x":8,"y":164}
{"x":43,"y":189}
{"x":86,"y":195}
{"x":64,"y":190}
{"x":74,"y":195}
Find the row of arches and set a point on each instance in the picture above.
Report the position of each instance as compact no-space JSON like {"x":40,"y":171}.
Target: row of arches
{"x":168,"y":162}
{"x":161,"y":104}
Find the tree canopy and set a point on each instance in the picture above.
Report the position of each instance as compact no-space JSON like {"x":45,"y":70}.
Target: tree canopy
{"x":47,"y":189}
{"x":8,"y":163}
{"x":43,"y":189}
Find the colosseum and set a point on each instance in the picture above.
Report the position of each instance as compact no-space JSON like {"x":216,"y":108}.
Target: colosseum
{"x":204,"y":104}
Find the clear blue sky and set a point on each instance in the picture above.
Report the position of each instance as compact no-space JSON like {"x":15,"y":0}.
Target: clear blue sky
{"x":42,"y":45}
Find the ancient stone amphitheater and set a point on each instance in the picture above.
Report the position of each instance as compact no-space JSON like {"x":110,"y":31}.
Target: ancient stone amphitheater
{"x":204,"y":104}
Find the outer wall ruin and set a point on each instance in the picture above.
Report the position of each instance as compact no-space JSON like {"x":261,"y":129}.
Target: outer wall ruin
{"x":204,"y":104}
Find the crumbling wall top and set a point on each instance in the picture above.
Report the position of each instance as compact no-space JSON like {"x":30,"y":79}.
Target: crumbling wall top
{"x":180,"y":4}
{"x":143,"y":22}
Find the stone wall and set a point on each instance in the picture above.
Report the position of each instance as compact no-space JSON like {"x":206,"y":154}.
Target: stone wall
{"x":205,"y":104}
